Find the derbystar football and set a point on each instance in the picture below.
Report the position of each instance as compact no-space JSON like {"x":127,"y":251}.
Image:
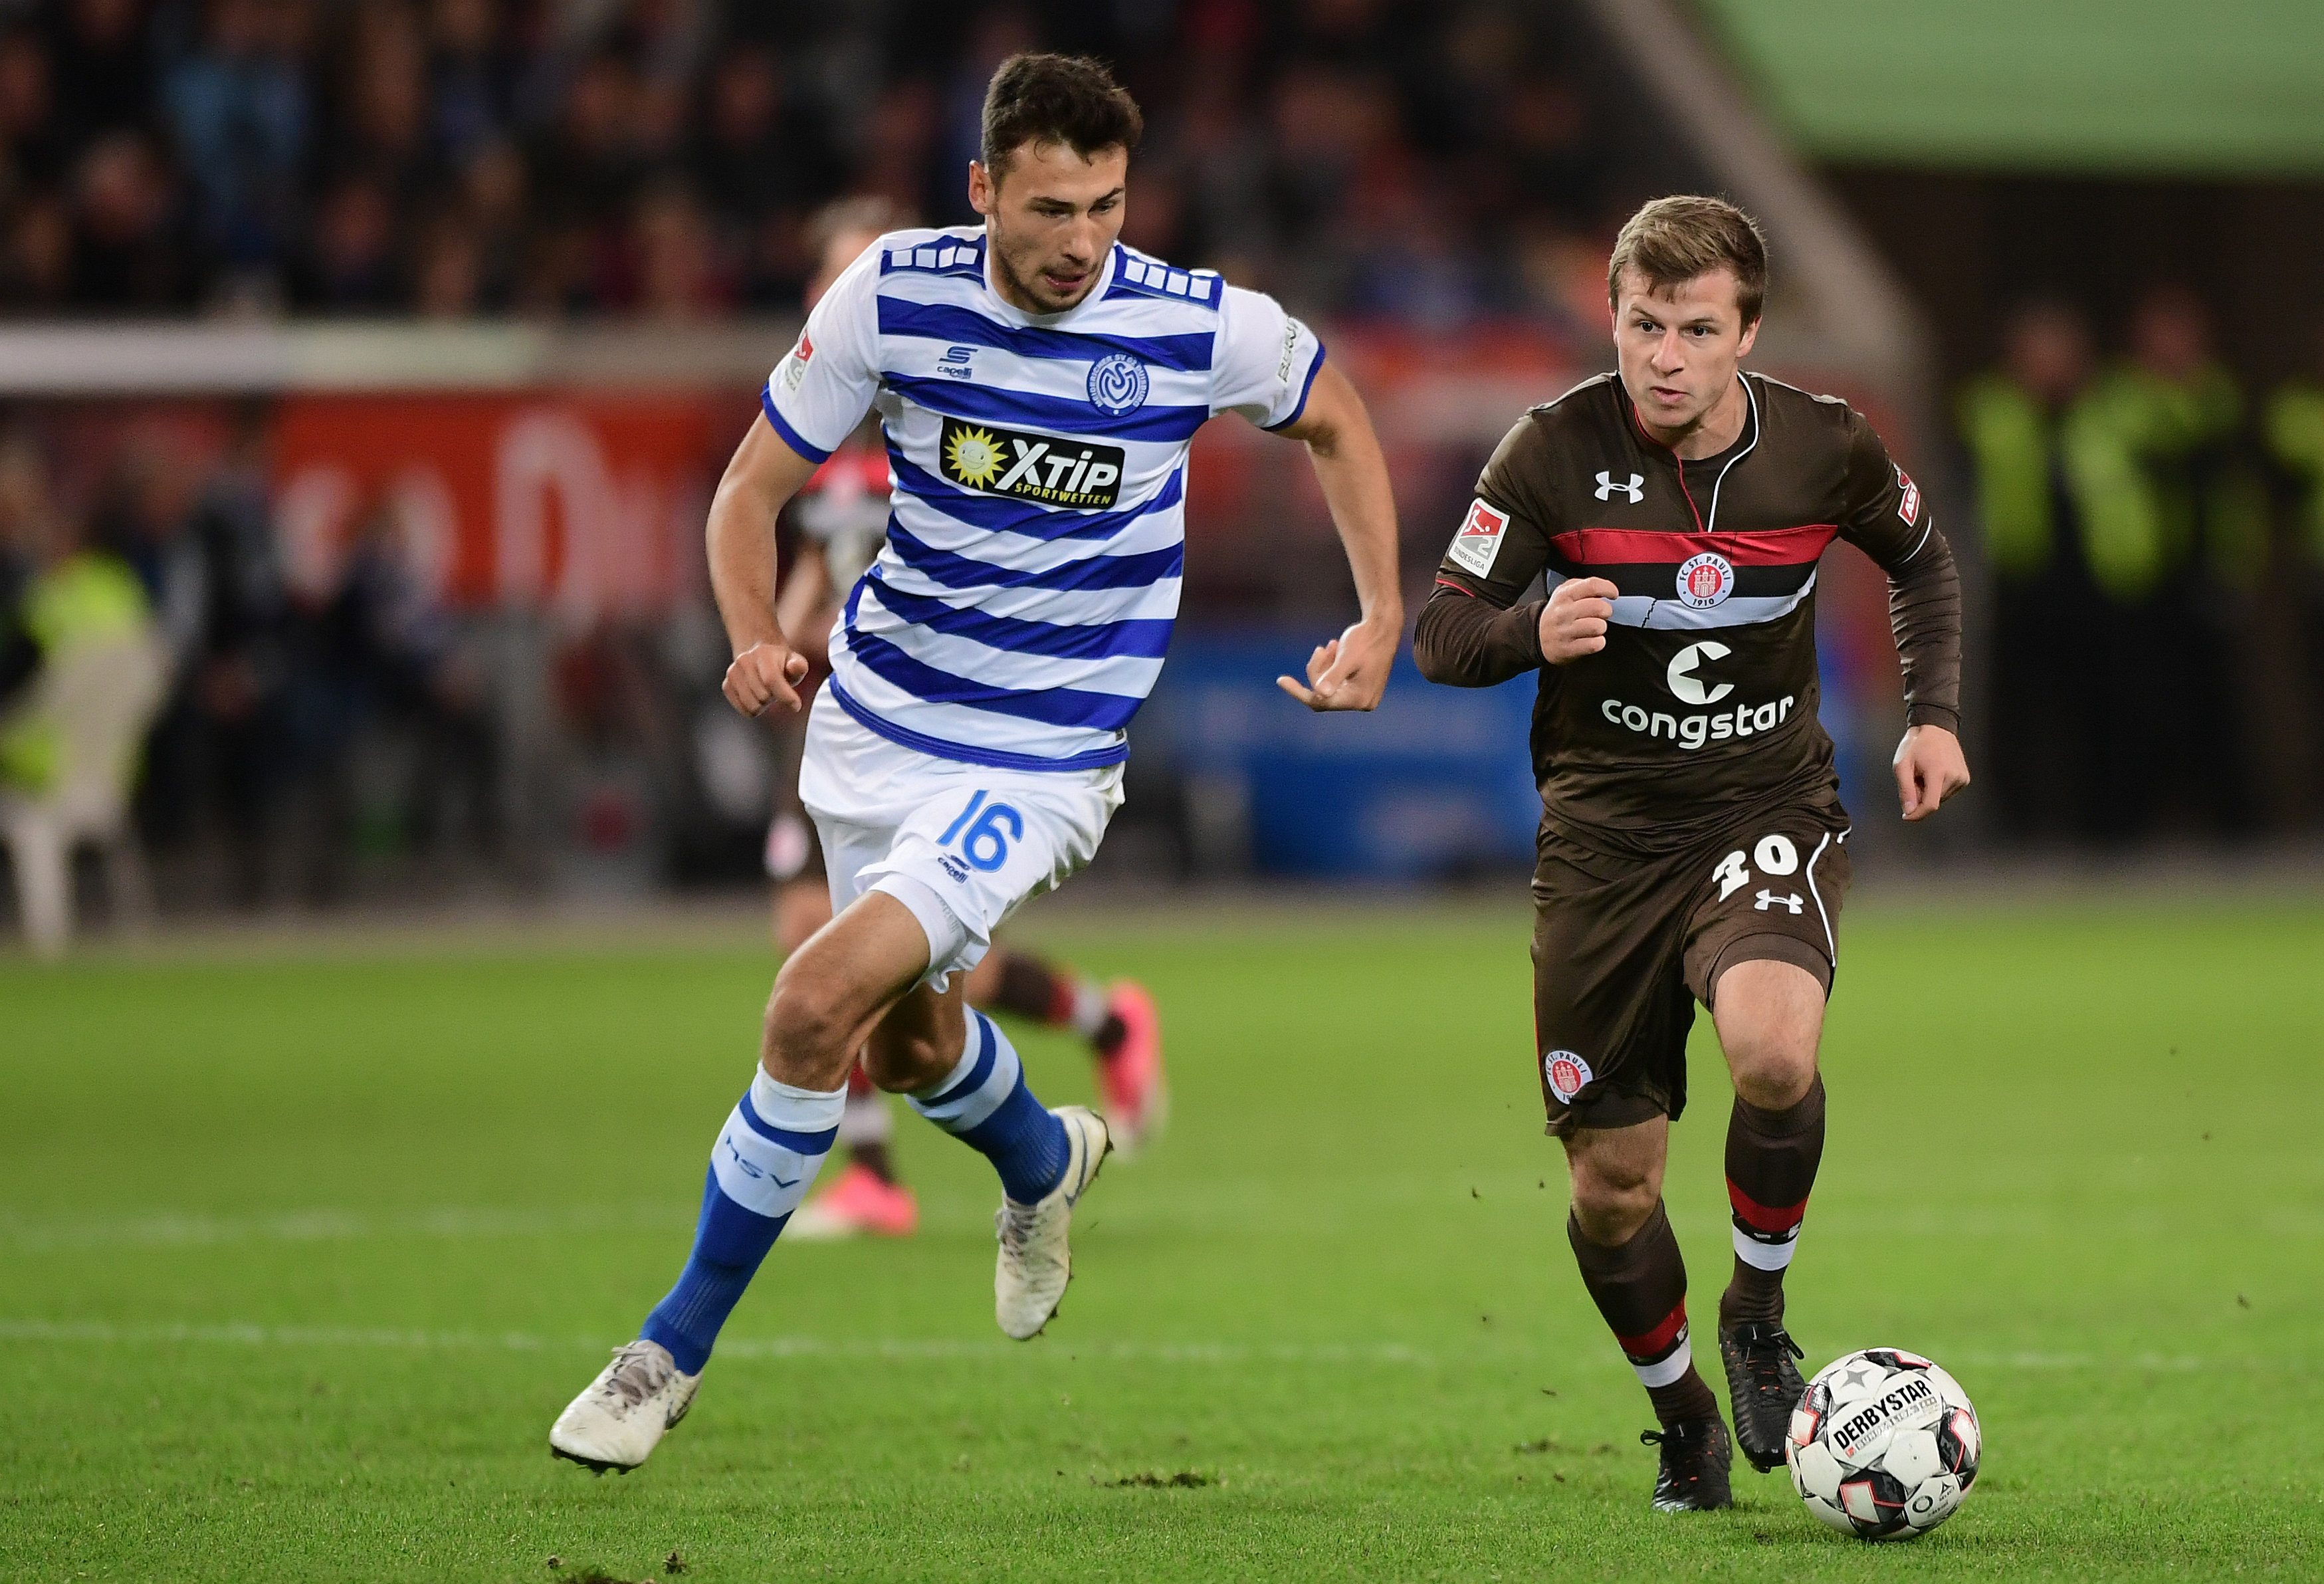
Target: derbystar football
{"x":1884,"y":1444}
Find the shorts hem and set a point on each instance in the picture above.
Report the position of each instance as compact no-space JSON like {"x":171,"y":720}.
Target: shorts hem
{"x":1770,"y":947}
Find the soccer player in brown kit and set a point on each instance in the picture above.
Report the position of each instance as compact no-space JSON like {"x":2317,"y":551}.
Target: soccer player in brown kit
{"x":1692,"y":845}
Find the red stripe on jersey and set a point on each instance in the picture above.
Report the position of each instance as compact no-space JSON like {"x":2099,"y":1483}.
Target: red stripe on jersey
{"x":1647,"y":1344}
{"x":1761,"y":1216}
{"x":1764,"y":547}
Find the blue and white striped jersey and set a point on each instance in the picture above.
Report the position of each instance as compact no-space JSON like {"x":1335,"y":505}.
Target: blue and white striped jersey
{"x":1019,"y":614}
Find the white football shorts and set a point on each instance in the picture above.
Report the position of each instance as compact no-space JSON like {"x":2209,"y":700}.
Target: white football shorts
{"x":961,"y":846}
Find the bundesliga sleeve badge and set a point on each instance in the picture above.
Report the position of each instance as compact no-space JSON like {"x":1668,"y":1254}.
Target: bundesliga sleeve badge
{"x":1478,"y":543}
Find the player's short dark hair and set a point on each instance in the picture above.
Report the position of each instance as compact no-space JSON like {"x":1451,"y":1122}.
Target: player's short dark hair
{"x":1070,"y":99}
{"x":1672,"y":240}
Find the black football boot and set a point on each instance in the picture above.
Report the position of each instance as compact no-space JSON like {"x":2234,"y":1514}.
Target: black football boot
{"x":1692,"y":1478}
{"x":1763,"y":1385}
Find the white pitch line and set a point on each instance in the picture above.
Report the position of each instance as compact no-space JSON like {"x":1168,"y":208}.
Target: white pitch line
{"x":244,"y":1335}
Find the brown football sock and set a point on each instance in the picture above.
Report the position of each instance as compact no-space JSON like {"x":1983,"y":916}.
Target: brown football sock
{"x":1640,"y":1287}
{"x":1771,"y":1165}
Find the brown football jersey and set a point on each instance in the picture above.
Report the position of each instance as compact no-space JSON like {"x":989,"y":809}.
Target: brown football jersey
{"x":1702,"y":703}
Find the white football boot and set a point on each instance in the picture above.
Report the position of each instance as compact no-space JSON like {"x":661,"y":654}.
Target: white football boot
{"x":1035,"y":1263}
{"x":618,"y":1421}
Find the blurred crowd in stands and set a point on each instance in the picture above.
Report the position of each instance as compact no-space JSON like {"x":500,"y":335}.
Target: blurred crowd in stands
{"x":1431,"y":162}
{"x":247,"y":749}
{"x":2154,"y":534}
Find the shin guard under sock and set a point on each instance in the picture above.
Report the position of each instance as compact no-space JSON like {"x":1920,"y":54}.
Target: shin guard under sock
{"x":766,"y":1157}
{"x":984,"y":1101}
{"x":1640,"y":1287}
{"x":1771,"y":1166}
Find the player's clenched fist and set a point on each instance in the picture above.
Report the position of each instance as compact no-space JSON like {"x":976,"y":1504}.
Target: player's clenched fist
{"x":1573,"y":621}
{"x":765,"y":674}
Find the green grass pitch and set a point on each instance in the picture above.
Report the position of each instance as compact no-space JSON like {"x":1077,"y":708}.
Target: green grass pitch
{"x":300,"y":1253}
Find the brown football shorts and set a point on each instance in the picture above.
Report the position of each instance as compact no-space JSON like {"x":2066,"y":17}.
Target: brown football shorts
{"x":1624,"y":948}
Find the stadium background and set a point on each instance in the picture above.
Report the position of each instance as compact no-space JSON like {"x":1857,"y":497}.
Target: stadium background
{"x":390,"y":351}
{"x":395,"y":348}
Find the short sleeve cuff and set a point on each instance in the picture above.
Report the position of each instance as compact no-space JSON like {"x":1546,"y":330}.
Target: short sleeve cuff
{"x":781,"y":426}
{"x":1313,"y":369}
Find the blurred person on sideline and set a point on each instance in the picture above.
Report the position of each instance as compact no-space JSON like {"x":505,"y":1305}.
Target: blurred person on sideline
{"x":841,"y":520}
{"x":2294,"y":425}
{"x":220,"y":754}
{"x":2057,"y":703}
{"x":2174,"y":526}
{"x":75,"y":593}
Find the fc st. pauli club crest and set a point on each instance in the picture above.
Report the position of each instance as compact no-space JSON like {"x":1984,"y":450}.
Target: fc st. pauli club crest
{"x":1706,"y":581}
{"x":1565,"y":1072}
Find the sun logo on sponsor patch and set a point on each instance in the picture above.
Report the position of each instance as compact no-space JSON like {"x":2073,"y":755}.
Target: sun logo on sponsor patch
{"x":973,"y":456}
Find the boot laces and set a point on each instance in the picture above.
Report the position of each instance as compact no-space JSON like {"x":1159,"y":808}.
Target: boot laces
{"x":637,"y":1374}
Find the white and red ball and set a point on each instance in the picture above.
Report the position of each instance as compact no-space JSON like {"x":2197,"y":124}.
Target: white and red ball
{"x":1884,"y":1445}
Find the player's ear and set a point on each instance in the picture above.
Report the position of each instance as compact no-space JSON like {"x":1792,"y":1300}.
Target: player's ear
{"x":1750,"y":334}
{"x":982,"y":190}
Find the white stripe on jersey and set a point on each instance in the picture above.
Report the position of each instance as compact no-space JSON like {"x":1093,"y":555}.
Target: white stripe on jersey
{"x":998,"y":626}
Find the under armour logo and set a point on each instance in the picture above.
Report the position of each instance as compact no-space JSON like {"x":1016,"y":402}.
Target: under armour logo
{"x":1634,"y":490}
{"x":1768,"y":899}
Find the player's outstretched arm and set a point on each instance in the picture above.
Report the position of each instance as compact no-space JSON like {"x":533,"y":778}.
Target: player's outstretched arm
{"x":762,"y":474}
{"x":1929,"y":768}
{"x":1351,"y":670}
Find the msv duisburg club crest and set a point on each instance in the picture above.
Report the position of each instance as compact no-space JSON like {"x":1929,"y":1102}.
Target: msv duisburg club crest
{"x":1117,"y":383}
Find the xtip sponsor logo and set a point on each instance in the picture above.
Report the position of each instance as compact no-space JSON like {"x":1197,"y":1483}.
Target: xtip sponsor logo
{"x":1635,"y":490}
{"x":1478,"y":543}
{"x":1565,"y":1073}
{"x":956,"y":363}
{"x":1706,"y":581}
{"x":1031,"y":467}
{"x":1117,"y":383}
{"x":1908,"y":504}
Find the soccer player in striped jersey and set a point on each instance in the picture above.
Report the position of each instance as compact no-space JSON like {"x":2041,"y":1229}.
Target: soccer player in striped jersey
{"x":841,"y":520}
{"x":1039,"y":386}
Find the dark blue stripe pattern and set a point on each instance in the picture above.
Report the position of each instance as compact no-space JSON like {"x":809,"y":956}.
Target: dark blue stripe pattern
{"x":941,"y":321}
{"x":804,"y":1144}
{"x":1059,"y":415}
{"x":1144,"y":639}
{"x":1050,"y":706}
{"x":988,"y":1051}
{"x":791,"y":437}
{"x":921,"y":742}
{"x":1097,"y":572}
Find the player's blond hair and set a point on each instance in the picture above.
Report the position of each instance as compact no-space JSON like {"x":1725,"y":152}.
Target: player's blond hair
{"x":1672,"y":240}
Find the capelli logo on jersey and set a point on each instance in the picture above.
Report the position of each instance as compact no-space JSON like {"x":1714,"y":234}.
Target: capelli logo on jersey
{"x":993,"y":460}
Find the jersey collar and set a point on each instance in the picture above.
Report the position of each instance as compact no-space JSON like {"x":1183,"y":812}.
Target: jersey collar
{"x":1012,"y":314}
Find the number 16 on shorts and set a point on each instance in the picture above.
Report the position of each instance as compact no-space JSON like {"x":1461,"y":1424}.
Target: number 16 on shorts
{"x":983,"y":832}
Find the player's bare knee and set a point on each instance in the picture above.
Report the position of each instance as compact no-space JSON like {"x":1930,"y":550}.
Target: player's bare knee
{"x":1611,"y":1200}
{"x":808,"y":1030}
{"x":1773,"y":1073}
{"x":905,"y":1063}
